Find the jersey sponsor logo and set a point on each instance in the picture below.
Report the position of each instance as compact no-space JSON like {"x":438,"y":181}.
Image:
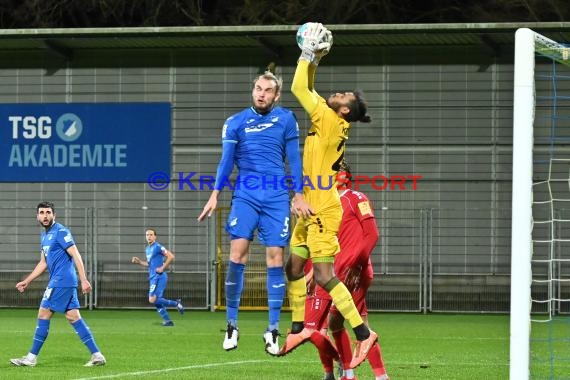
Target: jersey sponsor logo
{"x":224,"y":131}
{"x":277,"y":286}
{"x":45,"y":250}
{"x":233,"y":222}
{"x":67,"y":238}
{"x":258,"y":127}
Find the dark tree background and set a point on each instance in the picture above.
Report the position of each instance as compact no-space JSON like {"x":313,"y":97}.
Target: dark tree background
{"x":131,"y":13}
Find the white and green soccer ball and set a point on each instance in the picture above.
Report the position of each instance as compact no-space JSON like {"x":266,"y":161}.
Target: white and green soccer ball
{"x":305,"y":29}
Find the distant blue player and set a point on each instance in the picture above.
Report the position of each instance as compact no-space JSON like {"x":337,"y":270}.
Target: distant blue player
{"x":157,"y":261}
{"x":258,"y":140}
{"x":60,"y":256}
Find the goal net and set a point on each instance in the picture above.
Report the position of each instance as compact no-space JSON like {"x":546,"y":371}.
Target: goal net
{"x":540,"y":260}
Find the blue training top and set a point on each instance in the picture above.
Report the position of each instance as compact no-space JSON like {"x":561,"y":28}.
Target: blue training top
{"x":60,"y":264}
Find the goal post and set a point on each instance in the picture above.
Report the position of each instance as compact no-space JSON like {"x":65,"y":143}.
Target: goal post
{"x":521,"y":224}
{"x":527,"y":123}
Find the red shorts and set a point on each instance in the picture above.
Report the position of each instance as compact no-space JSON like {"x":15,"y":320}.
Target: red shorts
{"x":318,"y":303}
{"x":358,"y":296}
{"x":317,"y":306}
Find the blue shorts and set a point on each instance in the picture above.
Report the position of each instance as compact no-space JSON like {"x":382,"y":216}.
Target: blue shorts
{"x":60,"y":300}
{"x":271,"y":219}
{"x":157,"y":285}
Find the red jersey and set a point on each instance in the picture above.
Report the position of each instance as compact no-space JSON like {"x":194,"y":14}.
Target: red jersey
{"x":355,"y":243}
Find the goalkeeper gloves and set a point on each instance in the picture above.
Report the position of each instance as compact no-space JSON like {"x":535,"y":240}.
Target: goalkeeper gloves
{"x":324,"y":47}
{"x":312,"y":41}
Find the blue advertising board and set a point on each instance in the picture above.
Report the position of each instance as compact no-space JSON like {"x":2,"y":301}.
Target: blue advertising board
{"x":84,"y":142}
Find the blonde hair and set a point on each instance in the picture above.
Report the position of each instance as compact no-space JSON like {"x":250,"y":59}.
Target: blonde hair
{"x":268,"y":75}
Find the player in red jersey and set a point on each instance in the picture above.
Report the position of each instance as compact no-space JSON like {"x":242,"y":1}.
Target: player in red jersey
{"x":358,"y":235}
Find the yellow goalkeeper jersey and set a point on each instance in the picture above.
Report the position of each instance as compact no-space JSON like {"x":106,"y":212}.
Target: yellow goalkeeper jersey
{"x":322,"y":154}
{"x":324,"y":145}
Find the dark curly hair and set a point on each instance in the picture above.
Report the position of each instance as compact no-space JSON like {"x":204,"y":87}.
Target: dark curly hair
{"x":45,"y":204}
{"x":358,"y":108}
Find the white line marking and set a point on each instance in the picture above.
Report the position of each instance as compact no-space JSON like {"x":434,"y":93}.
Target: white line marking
{"x":164,"y":370}
{"x":284,"y":361}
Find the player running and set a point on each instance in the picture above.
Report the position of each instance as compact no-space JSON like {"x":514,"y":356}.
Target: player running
{"x":158,"y":258}
{"x":258,"y":140}
{"x":315,"y":237}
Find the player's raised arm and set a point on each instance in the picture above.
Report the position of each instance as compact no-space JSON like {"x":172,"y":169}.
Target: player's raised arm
{"x":313,"y":47}
{"x":323,"y":49}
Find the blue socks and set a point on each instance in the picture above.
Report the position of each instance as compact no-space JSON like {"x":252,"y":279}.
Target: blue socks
{"x":42,"y":330}
{"x":161,"y":304}
{"x":40,"y":336}
{"x":233,"y":288}
{"x":166,"y":303}
{"x":276,"y":288}
{"x":85,"y":335}
{"x":162,"y":311}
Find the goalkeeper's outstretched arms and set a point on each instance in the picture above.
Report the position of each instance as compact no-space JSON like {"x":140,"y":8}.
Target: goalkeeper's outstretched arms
{"x":316,"y":44}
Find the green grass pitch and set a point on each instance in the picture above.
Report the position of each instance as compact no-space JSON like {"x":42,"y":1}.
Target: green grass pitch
{"x":415,"y":346}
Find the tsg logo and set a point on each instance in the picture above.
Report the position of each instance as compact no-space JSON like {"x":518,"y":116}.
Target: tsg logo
{"x":69,"y":127}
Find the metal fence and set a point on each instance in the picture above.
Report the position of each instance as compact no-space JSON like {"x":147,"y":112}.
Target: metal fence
{"x":426,"y":260}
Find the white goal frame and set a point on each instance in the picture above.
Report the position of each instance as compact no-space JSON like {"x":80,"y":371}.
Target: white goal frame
{"x":527,"y":44}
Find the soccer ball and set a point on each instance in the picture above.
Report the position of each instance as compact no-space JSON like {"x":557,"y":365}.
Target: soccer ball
{"x":305,"y":29}
{"x":302,"y":32}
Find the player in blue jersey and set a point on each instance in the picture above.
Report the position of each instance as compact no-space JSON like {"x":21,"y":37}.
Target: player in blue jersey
{"x":258,"y":140}
{"x":157,"y":261}
{"x":60,"y":256}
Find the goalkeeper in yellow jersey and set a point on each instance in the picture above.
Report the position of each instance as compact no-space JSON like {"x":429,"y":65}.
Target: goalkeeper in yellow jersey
{"x":315,"y":234}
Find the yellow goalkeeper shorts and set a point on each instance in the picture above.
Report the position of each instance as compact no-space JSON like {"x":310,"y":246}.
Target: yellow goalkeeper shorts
{"x":319,"y":234}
